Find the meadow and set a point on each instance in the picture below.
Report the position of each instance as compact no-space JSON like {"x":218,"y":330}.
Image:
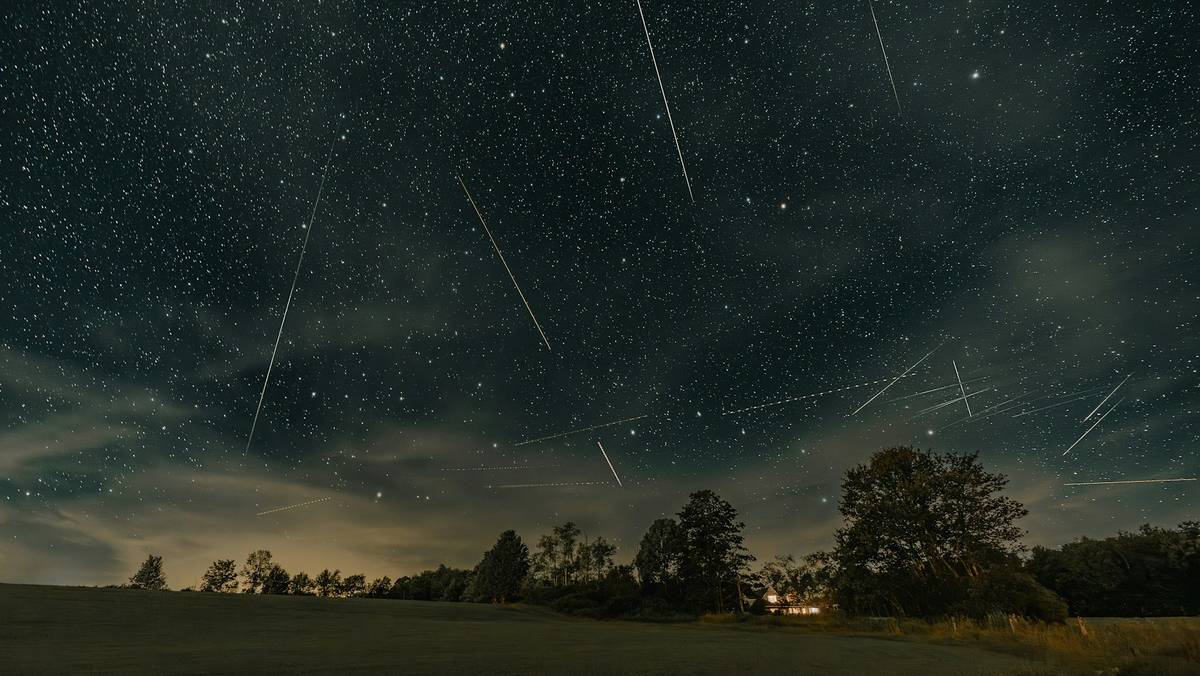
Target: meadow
{"x":88,"y":630}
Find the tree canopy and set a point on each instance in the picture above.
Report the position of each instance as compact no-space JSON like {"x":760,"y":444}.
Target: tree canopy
{"x":150,"y":575}
{"x":714,"y":558}
{"x":499,"y":575}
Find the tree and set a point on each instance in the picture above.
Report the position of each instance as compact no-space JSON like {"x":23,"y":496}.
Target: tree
{"x":149,"y":575}
{"x":659,"y":554}
{"x":566,"y":536}
{"x":714,"y":557}
{"x":919,"y":528}
{"x":255,"y":570}
{"x":597,"y":558}
{"x":1154,"y":571}
{"x":499,"y":575}
{"x":327,"y":583}
{"x":908,"y":509}
{"x":276,"y":581}
{"x":300,"y":585}
{"x":220,"y":577}
{"x":354,"y":585}
{"x":380,"y":587}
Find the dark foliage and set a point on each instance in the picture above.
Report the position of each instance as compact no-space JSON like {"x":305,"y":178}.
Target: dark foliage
{"x":442,"y":584}
{"x":714,"y":559}
{"x":255,"y":570}
{"x":276,"y":581}
{"x":220,"y":577}
{"x":149,"y":575}
{"x":499,"y":576}
{"x":930,"y":535}
{"x":1155,"y":571}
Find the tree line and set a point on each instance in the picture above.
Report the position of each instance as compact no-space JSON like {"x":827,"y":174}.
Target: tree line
{"x":924,"y":535}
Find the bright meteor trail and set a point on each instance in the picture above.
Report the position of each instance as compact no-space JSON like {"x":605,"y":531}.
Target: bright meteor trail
{"x":287,"y":306}
{"x":1130,"y":481}
{"x":962,"y":389}
{"x":1110,"y":394}
{"x":610,"y":465}
{"x":1089,"y":430}
{"x":885,"y":56}
{"x":665,"y":104}
{"x":582,"y":429}
{"x":885,"y":389}
{"x":504,"y":262}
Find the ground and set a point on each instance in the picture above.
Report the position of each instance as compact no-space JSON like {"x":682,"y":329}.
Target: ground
{"x":73,"y":630}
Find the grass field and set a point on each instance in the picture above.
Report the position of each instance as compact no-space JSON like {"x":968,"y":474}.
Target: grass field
{"x":82,"y":630}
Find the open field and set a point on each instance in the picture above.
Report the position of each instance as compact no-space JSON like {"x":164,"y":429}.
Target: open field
{"x":83,"y":630}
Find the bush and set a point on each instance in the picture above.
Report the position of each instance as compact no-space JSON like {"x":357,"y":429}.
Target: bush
{"x":1007,"y":592}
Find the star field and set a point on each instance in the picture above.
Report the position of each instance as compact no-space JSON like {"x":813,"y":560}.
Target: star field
{"x":1028,"y":215}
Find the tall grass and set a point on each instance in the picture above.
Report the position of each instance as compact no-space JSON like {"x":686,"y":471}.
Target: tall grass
{"x":1125,"y":646}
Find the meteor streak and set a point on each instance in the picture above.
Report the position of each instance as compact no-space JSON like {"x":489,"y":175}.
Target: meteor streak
{"x":1050,"y":406}
{"x":287,"y":306}
{"x":885,"y":389}
{"x":886,"y":64}
{"x":944,"y":404}
{"x":1085,"y":418}
{"x":504,"y":262}
{"x":1130,"y":481}
{"x":936,"y":389}
{"x":302,"y":504}
{"x":582,"y":429}
{"x":1098,"y":421}
{"x":666,"y":105}
{"x":988,"y":412}
{"x":610,"y":465}
{"x":962,"y":389}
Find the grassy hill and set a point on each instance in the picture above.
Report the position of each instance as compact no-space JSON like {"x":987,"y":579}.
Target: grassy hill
{"x":82,"y":630}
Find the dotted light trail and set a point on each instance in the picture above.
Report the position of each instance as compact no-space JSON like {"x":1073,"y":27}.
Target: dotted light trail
{"x":302,"y":504}
{"x":560,"y":483}
{"x":906,"y":372}
{"x":820,"y":394}
{"x":499,"y":468}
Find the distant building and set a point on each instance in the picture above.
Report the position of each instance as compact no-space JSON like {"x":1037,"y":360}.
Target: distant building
{"x":787,"y":604}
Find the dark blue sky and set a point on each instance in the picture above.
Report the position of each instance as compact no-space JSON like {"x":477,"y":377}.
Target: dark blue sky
{"x":1030,"y":213}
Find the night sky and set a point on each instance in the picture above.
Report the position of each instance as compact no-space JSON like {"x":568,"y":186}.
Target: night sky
{"x":1028,"y":215}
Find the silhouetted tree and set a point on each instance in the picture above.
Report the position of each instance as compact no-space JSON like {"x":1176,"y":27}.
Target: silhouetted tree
{"x":1155,"y":571}
{"x":659,"y":554}
{"x":220,"y":577}
{"x":300,"y":585}
{"x":499,"y":575}
{"x":928,"y":534}
{"x":714,"y":557}
{"x":254,"y":572}
{"x":354,"y":585}
{"x":379,"y":587}
{"x":805,"y":582}
{"x":276,"y":581}
{"x":327,"y":583}
{"x":596,"y":558}
{"x":149,"y":575}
